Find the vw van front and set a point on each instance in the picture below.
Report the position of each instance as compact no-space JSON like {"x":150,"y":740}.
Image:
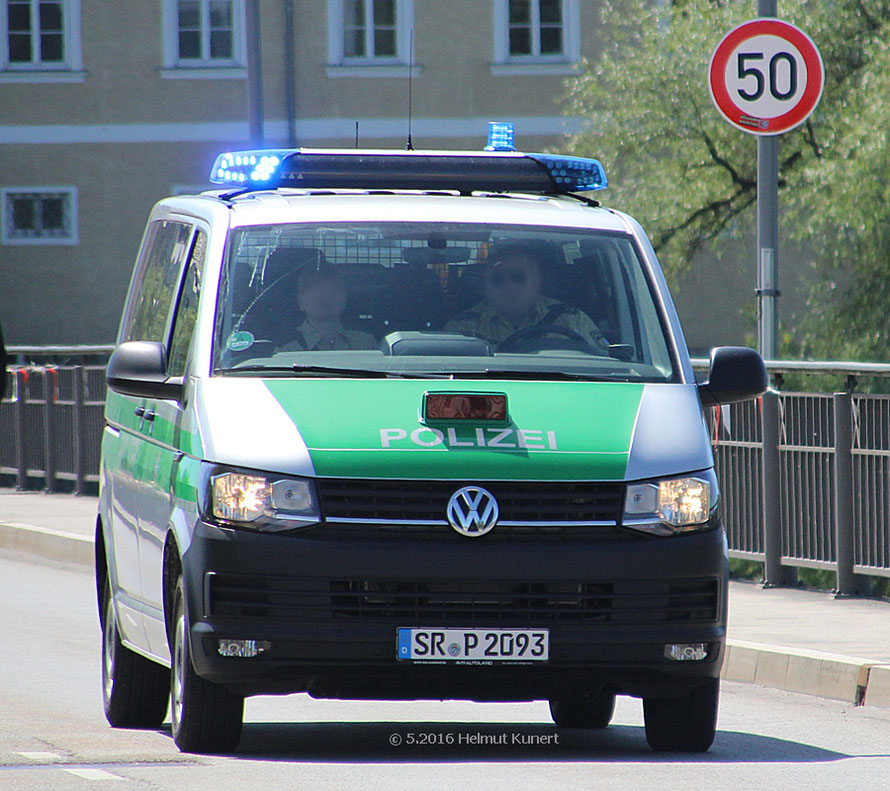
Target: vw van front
{"x":444,"y":442}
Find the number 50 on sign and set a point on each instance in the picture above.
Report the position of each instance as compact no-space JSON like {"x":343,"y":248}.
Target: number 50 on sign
{"x":766,"y":77}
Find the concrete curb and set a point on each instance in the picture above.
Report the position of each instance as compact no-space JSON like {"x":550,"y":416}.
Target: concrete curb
{"x":825,"y":675}
{"x":50,"y":544}
{"x":834,"y":676}
{"x":877,"y":692}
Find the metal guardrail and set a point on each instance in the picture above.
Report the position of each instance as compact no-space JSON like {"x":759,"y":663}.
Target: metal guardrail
{"x":805,"y":477}
{"x":60,"y":351}
{"x":51,"y":427}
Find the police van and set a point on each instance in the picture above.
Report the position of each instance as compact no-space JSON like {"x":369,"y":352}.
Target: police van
{"x":408,"y":425}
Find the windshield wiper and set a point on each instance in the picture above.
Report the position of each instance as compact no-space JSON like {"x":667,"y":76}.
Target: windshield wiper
{"x":358,"y":373}
{"x":497,"y":373}
{"x":279,"y":370}
{"x":290,"y":370}
{"x":322,"y":370}
{"x":366,"y":373}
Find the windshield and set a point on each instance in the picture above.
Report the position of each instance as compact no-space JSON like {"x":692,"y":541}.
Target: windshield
{"x":438,"y":300}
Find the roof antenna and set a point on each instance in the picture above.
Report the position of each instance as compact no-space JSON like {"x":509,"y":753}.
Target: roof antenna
{"x":410,"y":145}
{"x":356,"y":134}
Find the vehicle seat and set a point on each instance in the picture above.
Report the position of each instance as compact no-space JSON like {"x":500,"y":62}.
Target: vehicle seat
{"x":466,"y":287}
{"x":414,"y":300}
{"x":595,"y":289}
{"x":274,"y":313}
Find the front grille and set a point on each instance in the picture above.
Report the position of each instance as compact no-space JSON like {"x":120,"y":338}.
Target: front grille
{"x":425,"y":501}
{"x":466,"y":603}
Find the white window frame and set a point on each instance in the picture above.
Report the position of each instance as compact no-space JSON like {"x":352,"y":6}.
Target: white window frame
{"x":370,"y":66}
{"x":203,"y":68}
{"x":69,"y":69}
{"x":8,"y":237}
{"x":507,"y":65}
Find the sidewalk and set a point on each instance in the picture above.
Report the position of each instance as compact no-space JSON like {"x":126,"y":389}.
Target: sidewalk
{"x":790,"y":639}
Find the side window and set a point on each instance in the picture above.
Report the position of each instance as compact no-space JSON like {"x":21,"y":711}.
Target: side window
{"x":156,"y":282}
{"x":187,"y":310}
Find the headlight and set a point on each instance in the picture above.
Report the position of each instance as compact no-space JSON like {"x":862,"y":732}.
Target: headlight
{"x":262,"y":502}
{"x":673,"y":505}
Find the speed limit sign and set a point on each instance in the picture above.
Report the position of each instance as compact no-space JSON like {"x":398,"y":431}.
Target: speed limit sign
{"x":766,"y":77}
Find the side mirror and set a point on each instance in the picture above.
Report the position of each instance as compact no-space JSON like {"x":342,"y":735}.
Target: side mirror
{"x":139,"y":368}
{"x":736,"y":374}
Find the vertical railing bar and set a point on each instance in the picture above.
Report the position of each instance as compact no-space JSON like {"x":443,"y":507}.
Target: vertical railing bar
{"x":772,"y":526}
{"x":79,"y":431}
{"x":843,"y":496}
{"x":49,"y":415}
{"x":21,"y":395}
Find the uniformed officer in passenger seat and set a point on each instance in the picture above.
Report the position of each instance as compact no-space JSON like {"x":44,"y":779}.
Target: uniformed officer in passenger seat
{"x":513,"y":301}
{"x":321,"y":294}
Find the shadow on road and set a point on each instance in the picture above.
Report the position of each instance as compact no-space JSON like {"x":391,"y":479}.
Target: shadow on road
{"x":386,"y":742}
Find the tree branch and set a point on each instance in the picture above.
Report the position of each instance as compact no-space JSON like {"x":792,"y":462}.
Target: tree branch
{"x":718,"y":159}
{"x":713,"y":208}
{"x":810,"y":137}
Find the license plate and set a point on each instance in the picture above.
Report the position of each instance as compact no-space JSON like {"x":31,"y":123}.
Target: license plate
{"x":476,"y":645}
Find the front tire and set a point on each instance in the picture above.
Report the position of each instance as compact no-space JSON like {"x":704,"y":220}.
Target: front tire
{"x":592,"y":713}
{"x":134,"y":689}
{"x":207,"y":718}
{"x":683,"y":724}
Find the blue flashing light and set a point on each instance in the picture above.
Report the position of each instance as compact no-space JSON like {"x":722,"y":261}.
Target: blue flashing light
{"x":500,"y":136}
{"x":573,"y":174}
{"x":250,"y":168}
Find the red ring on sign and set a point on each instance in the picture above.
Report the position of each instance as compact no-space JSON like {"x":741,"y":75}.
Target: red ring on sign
{"x":811,"y":57}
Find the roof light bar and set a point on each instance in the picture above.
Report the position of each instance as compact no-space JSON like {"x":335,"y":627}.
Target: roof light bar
{"x":500,"y":136}
{"x":462,"y":171}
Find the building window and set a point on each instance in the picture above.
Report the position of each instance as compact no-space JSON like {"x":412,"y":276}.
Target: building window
{"x":40,"y":35}
{"x":370,"y":32}
{"x":201,"y":34}
{"x":369,"y":29}
{"x":535,"y":27}
{"x":534,"y":32}
{"x":40,"y":215}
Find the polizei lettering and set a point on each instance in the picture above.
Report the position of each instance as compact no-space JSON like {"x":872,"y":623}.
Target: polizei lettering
{"x":469,"y":437}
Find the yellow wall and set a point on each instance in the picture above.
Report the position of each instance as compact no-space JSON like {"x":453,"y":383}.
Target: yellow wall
{"x":51,"y":294}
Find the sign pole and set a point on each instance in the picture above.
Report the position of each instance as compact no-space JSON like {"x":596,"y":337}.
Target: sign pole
{"x":255,"y":110}
{"x":767,"y":230}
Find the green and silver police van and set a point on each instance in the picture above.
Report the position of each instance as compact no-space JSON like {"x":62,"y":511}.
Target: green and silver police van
{"x":408,"y":425}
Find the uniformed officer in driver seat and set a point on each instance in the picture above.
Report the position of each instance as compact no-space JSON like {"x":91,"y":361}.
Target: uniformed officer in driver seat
{"x":513,"y":302}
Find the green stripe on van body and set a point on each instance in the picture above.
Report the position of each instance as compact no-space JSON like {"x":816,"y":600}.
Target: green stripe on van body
{"x":372,"y":429}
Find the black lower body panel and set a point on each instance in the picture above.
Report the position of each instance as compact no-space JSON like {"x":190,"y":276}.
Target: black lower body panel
{"x":327,"y":612}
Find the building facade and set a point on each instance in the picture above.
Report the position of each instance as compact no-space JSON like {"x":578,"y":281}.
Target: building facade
{"x":106,"y":107}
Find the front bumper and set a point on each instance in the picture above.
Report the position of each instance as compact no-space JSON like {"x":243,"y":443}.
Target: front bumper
{"x":329,"y":607}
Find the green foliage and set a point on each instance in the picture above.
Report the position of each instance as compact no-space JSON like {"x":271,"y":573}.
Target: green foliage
{"x":691,"y":177}
{"x":817,"y":579}
{"x":745,"y":570}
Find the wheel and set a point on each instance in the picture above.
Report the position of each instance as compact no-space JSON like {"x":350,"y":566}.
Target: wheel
{"x":134,"y":689}
{"x":206,"y":716}
{"x":683,"y":724}
{"x":593,"y":713}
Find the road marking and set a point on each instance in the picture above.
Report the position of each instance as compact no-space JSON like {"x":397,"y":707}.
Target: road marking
{"x":45,"y":757}
{"x":92,"y":774}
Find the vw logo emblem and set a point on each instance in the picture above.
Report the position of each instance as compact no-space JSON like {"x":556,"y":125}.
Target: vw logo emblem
{"x":472,"y":511}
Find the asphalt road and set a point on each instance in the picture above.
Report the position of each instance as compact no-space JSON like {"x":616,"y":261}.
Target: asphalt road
{"x":53,"y":734}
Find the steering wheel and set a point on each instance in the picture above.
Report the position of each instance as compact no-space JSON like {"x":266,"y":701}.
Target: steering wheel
{"x":517,"y":341}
